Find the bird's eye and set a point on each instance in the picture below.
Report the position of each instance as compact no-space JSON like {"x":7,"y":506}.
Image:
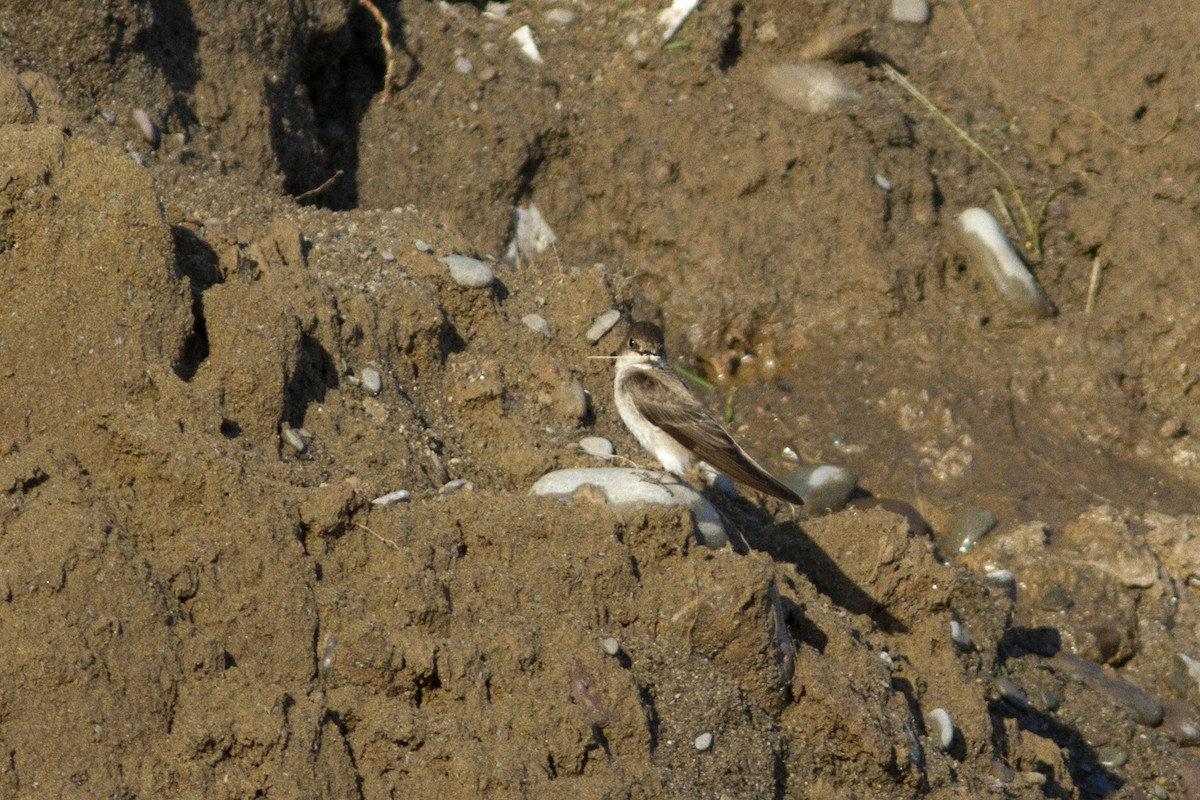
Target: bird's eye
{"x":633,"y":344}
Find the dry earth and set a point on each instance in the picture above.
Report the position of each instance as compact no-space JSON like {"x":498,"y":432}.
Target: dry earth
{"x":193,"y":608}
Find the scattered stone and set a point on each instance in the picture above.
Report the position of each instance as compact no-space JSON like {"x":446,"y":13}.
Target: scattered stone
{"x":463,"y":65}
{"x":1112,"y":757}
{"x":457,"y":485}
{"x":673,"y":16}
{"x":838,"y":44}
{"x":1182,"y":721}
{"x":960,"y":637}
{"x":146,"y":127}
{"x":967,"y":527}
{"x":1010,"y":692}
{"x":572,"y":400}
{"x":523,"y":36}
{"x":1185,"y":677}
{"x":422,"y":246}
{"x":470,"y":273}
{"x":597,"y":447}
{"x":989,"y":252}
{"x":536,"y":322}
{"x":370,"y":380}
{"x":291,"y":437}
{"x":703,"y":742}
{"x":387,"y":255}
{"x":610,"y":645}
{"x":1001,"y":579}
{"x":809,"y":88}
{"x":602,"y":325}
{"x":534,"y":234}
{"x":912,"y":11}
{"x":882,"y":182}
{"x":560,"y":16}
{"x":823,"y":487}
{"x":398,"y":496}
{"x":631,"y":491}
{"x":940,"y":728}
{"x":1144,"y":708}
{"x":1051,"y":698}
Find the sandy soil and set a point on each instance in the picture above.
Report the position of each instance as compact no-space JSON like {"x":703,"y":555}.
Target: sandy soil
{"x":194,"y":608}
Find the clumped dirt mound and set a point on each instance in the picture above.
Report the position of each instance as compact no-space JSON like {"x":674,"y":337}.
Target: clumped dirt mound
{"x":200,"y":598}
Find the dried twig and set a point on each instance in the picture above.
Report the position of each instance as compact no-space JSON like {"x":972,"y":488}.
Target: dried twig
{"x":1093,"y":286}
{"x":383,"y":539}
{"x":328,"y":182}
{"x":1138,"y":143}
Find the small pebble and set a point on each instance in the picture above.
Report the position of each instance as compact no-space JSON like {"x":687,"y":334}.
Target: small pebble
{"x":823,"y":487}
{"x":456,"y":485}
{"x":1001,"y":579}
{"x":463,"y":65}
{"x":534,"y":234}
{"x":387,"y":255}
{"x":703,"y":742}
{"x":1142,"y":707}
{"x":422,"y":246}
{"x":523,"y":37}
{"x":1112,"y":757}
{"x":602,"y":325}
{"x":1051,"y":699}
{"x":597,"y":447}
{"x":398,"y":496}
{"x":1182,"y":721}
{"x":610,"y":645}
{"x":109,"y":117}
{"x":959,"y":636}
{"x":292,"y":439}
{"x":912,"y":11}
{"x":146,"y":127}
{"x":940,"y":728}
{"x":560,"y":16}
{"x":883,"y":182}
{"x":807,"y":87}
{"x":370,"y":381}
{"x":1185,"y":677}
{"x":1010,"y":692}
{"x":989,"y":251}
{"x":966,"y":528}
{"x":469,"y":273}
{"x":536,"y":322}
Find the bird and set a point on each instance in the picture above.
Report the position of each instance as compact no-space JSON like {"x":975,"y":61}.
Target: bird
{"x":668,"y":421}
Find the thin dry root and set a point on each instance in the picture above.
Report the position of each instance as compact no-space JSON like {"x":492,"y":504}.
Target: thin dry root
{"x":385,"y":40}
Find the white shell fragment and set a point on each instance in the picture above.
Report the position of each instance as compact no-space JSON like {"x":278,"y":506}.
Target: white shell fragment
{"x":602,"y":325}
{"x":988,"y":250}
{"x":809,"y":88}
{"x":534,"y":234}
{"x":673,"y":17}
{"x":469,"y":273}
{"x":630,"y":491}
{"x":398,"y":496}
{"x":523,"y":36}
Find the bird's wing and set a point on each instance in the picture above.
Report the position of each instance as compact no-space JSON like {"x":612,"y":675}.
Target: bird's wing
{"x":665,"y":401}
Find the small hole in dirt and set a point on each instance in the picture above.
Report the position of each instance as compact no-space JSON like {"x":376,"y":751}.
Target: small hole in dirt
{"x":230,"y":429}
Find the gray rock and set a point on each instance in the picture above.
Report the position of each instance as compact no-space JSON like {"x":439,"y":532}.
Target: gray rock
{"x":469,"y":273}
{"x":423,"y":246}
{"x":967,"y":527}
{"x":602,"y":325}
{"x":293,"y":439}
{"x":536,"y":322}
{"x":912,"y":11}
{"x":631,"y":491}
{"x":823,"y":487}
{"x":703,"y":742}
{"x":398,"y":496}
{"x":598,"y":447}
{"x":940,"y":728}
{"x":610,"y":645}
{"x":457,"y":485}
{"x":370,"y":381}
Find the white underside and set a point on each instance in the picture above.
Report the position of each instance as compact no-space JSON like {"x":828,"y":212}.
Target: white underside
{"x":674,"y":457}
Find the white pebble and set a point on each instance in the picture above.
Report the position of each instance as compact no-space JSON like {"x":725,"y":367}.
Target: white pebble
{"x":610,"y":645}
{"x":536,"y":322}
{"x":456,"y":485}
{"x":146,"y":127}
{"x":914,"y":11}
{"x":523,"y":36}
{"x":703,"y":742}
{"x":960,"y":636}
{"x":940,"y":728}
{"x":398,"y":496}
{"x":674,"y":15}
{"x":292,"y":438}
{"x":534,"y":234}
{"x":988,"y":250}
{"x":824,"y":487}
{"x":598,"y":447}
{"x":883,"y":182}
{"x":423,"y":246}
{"x":387,"y":255}
{"x":602,"y":325}
{"x":470,"y":273}
{"x":560,"y":16}
{"x":370,"y":381}
{"x":463,"y":65}
{"x":807,"y":87}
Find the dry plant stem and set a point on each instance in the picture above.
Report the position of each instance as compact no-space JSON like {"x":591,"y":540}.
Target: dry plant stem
{"x":1129,"y":140}
{"x":385,"y":40}
{"x":1026,"y":220}
{"x":325,"y":185}
{"x":1093,"y":286}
